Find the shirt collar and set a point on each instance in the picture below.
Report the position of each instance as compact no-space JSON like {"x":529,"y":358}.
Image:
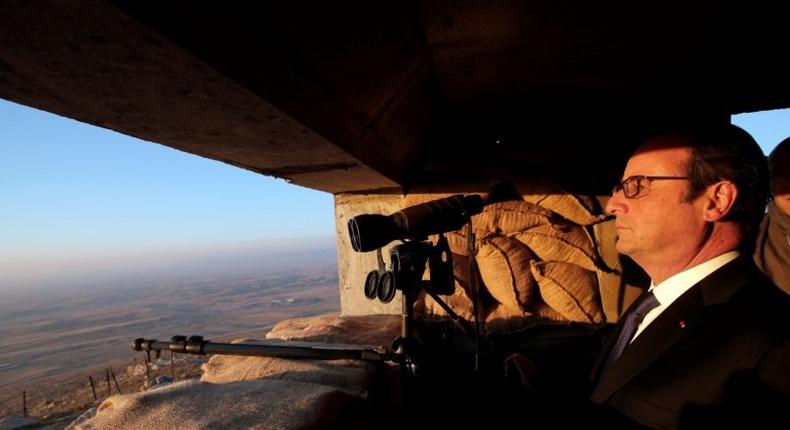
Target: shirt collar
{"x":672,"y":288}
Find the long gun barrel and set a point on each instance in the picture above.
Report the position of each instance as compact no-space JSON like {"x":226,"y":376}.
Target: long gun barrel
{"x":269,"y":348}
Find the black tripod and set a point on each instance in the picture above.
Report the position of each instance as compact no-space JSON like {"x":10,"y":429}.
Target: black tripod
{"x":407,"y":266}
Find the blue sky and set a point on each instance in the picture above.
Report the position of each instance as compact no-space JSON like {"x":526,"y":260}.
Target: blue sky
{"x":70,"y":190}
{"x":768,"y":127}
{"x":69,"y":186}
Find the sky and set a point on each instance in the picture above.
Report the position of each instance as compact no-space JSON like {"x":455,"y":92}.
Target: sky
{"x":768,"y":127}
{"x":73,"y":195}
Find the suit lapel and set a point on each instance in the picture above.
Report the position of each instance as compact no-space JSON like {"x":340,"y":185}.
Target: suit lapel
{"x":657,"y":338}
{"x":680,"y":319}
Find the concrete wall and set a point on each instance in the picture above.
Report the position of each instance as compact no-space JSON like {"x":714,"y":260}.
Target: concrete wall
{"x":354,"y":266}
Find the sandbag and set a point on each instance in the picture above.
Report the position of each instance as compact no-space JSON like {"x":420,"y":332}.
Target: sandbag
{"x":510,"y":217}
{"x":579,"y":209}
{"x":258,"y":404}
{"x":501,"y":319}
{"x":456,"y":240}
{"x":569,"y":289}
{"x":503,"y":218}
{"x":504,"y":265}
{"x":360,"y":330}
{"x":570,"y":243}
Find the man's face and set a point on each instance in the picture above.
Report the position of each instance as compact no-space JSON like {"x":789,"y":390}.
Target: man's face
{"x":658,"y":224}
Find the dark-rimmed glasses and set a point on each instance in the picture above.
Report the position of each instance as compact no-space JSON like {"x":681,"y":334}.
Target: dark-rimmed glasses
{"x":639,"y":185}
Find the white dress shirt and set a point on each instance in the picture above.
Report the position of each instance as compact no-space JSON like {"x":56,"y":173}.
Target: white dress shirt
{"x":674,"y":287}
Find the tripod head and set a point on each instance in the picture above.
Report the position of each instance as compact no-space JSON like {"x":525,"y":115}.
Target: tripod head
{"x":407,"y":265}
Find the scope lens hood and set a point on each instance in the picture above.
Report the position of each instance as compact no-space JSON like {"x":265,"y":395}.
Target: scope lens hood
{"x":369,"y":232}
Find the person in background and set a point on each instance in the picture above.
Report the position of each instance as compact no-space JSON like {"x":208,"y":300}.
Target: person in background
{"x":709,"y":343}
{"x":772,"y":250}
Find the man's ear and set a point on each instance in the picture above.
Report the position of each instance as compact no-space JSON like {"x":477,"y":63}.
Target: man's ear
{"x":720,"y":198}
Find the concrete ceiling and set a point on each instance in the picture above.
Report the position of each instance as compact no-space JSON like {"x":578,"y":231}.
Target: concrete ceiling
{"x":383,"y":95}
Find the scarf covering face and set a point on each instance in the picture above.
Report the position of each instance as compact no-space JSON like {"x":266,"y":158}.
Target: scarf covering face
{"x":772,"y":251}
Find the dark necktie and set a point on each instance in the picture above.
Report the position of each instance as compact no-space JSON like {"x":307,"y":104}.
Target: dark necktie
{"x":645,"y":304}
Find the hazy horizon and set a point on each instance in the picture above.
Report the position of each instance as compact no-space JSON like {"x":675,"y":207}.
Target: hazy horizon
{"x":22,"y":275}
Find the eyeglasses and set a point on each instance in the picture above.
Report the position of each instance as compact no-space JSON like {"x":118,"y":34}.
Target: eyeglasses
{"x":639,"y":185}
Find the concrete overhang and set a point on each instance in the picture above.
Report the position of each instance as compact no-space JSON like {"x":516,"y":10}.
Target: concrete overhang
{"x":374,"y":96}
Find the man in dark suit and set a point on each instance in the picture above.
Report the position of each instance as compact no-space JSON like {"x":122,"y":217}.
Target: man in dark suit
{"x":708,"y":342}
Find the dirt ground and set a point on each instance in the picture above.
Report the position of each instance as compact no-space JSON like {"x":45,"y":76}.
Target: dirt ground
{"x":49,"y":350}
{"x":69,"y":395}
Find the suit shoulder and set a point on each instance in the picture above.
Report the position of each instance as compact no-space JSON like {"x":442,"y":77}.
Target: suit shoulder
{"x":762,"y":301}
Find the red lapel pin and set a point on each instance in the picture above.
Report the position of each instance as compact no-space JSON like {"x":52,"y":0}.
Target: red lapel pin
{"x":682,"y":324}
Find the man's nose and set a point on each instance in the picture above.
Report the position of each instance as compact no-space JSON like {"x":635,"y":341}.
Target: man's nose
{"x":616,"y":204}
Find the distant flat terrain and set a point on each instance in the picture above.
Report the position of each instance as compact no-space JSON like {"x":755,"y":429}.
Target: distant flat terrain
{"x":46,"y":336}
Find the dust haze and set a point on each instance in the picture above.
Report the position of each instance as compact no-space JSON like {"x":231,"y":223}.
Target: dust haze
{"x":48,"y":330}
{"x":64,"y":271}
